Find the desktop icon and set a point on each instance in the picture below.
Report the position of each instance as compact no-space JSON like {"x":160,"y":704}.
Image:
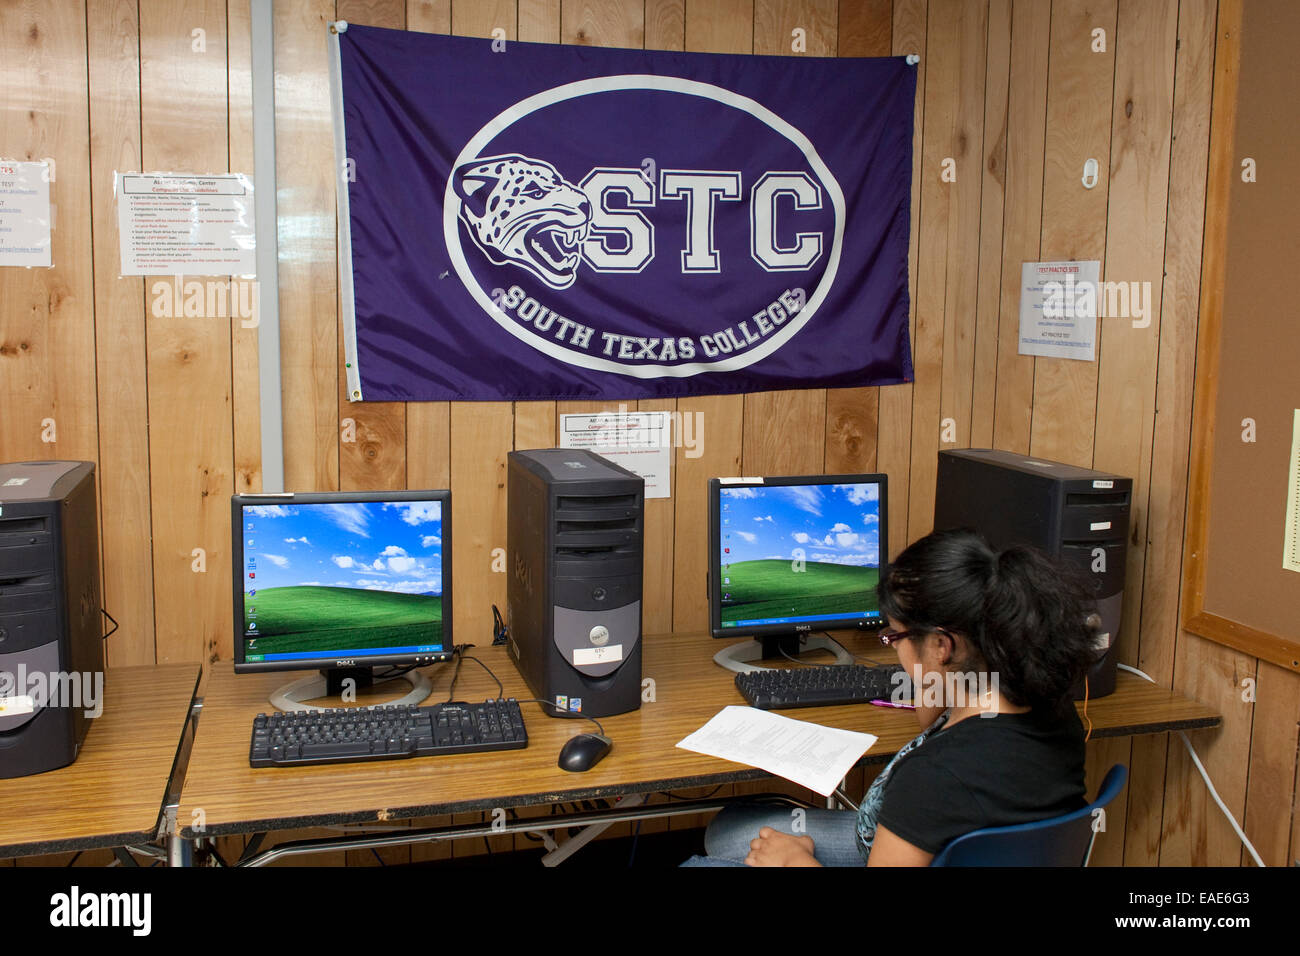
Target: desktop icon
{"x":252,"y":592}
{"x":252,"y":574}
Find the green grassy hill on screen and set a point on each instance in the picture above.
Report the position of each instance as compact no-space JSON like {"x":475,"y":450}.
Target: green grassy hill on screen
{"x":308,"y":617}
{"x":772,"y":588}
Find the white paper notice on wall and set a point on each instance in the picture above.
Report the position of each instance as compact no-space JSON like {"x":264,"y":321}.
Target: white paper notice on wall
{"x":1058,"y":309}
{"x":1291,"y":549}
{"x":641,"y":442}
{"x":176,"y":224}
{"x":25,"y":214}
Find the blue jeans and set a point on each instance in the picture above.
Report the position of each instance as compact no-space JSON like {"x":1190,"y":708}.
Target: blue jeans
{"x":726,"y":841}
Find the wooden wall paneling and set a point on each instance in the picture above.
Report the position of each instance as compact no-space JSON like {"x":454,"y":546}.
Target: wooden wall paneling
{"x":478,"y":18}
{"x":428,"y":16}
{"x":1022,"y":216}
{"x":372,"y":453}
{"x":865,"y":28}
{"x":245,"y":385}
{"x":619,"y":23}
{"x":1271,"y":779}
{"x":1166,"y":502}
{"x":1194,"y":830}
{"x":539,"y":22}
{"x":481,"y":436}
{"x":47,"y":342}
{"x":776,"y":20}
{"x":784,"y":432}
{"x":894,"y":423}
{"x":113,"y":53}
{"x":947,"y":267}
{"x":1141,"y":131}
{"x":665,"y":24}
{"x":997,"y":80}
{"x":1080,"y":85}
{"x":657,"y":577}
{"x":184,"y":128}
{"x":308,"y":263}
{"x":536,"y":425}
{"x":722,"y":26}
{"x":852,"y":414}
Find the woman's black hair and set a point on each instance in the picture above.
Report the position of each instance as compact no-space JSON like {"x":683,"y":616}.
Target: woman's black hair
{"x":1023,"y":613}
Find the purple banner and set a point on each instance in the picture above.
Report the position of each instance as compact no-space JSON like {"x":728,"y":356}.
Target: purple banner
{"x":530,"y":221}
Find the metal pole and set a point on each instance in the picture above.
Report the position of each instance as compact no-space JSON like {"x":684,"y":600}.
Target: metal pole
{"x":262,"y":35}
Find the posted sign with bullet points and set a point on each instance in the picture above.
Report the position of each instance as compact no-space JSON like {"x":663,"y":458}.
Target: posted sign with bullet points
{"x":25,"y":214}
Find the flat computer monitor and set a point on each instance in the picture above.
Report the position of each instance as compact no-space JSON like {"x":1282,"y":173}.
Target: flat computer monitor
{"x":792,"y":557}
{"x":357,"y":584}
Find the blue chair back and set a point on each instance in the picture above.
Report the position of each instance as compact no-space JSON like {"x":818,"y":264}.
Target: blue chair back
{"x":1060,"y":841}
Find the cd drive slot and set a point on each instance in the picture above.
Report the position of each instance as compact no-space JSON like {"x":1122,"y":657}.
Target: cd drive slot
{"x":22,"y":526}
{"x":587,"y":525}
{"x":1112,"y":499}
{"x":626,"y":503}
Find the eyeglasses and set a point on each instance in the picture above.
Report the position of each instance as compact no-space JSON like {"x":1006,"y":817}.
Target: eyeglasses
{"x":889,"y":637}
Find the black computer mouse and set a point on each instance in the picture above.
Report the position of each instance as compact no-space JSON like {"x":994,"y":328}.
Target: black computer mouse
{"x":584,"y":751}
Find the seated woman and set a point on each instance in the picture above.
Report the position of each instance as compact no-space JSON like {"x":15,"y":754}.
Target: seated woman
{"x":1009,"y":626}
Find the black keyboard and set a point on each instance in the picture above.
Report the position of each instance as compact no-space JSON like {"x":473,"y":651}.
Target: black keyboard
{"x":350,"y":734}
{"x":823,"y":686}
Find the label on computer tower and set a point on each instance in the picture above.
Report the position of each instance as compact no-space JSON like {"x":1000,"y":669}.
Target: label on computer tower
{"x":1099,"y":526}
{"x":1103,"y":484}
{"x":14,"y":706}
{"x":597,"y":655}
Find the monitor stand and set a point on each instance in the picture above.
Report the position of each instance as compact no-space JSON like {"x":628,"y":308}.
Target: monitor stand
{"x":329,"y":683}
{"x":737,"y":656}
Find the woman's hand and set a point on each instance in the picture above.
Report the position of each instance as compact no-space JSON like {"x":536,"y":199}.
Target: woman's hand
{"x":774,"y":848}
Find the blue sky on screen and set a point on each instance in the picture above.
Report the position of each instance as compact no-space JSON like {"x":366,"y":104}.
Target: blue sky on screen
{"x":379,"y":546}
{"x":839,"y":524}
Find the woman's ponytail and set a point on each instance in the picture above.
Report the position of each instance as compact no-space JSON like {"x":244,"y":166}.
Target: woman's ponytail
{"x":1024,"y":614}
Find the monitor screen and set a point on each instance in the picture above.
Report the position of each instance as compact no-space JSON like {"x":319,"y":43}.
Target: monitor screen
{"x":341,"y":579}
{"x":795,"y":554}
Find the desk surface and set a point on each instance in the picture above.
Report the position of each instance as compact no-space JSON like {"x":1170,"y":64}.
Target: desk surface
{"x":112,"y":794}
{"x":689,"y":689}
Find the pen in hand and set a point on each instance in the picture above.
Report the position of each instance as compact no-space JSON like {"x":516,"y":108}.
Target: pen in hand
{"x":890,"y":703}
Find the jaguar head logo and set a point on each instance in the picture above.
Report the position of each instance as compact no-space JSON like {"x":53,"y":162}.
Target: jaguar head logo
{"x":521,"y":211}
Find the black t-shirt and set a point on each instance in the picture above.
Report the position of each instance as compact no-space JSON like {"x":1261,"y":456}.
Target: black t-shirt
{"x":986,"y":772}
